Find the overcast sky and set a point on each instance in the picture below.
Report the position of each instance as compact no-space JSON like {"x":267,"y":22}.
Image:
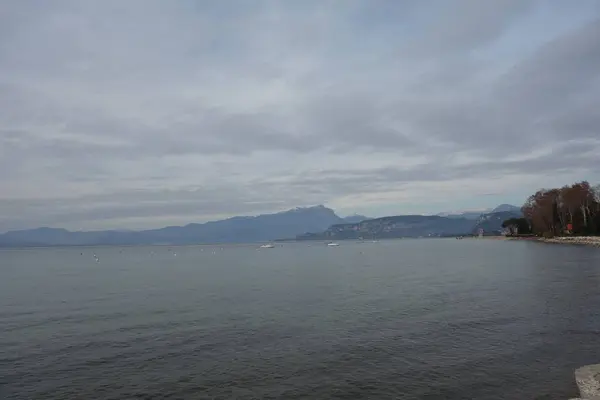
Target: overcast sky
{"x":143,"y":113}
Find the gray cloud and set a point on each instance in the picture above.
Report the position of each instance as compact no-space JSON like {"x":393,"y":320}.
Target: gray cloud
{"x":145,"y":113}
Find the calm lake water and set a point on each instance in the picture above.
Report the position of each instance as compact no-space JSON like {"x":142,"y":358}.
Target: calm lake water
{"x":403,"y":319}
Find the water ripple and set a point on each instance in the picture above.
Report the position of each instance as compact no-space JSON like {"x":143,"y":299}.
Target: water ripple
{"x":301,"y":323}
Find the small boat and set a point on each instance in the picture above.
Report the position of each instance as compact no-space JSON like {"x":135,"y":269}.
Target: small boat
{"x":332,"y":244}
{"x":267,"y":246}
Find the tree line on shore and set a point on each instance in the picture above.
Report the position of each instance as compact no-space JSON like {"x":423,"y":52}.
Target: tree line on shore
{"x":569,"y":210}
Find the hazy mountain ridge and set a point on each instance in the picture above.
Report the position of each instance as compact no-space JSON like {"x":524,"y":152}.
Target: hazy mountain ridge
{"x":492,"y":222}
{"x":468,"y":214}
{"x":506,"y":208}
{"x":472,"y":215}
{"x":477,"y":214}
{"x":232,"y":230}
{"x":414,"y":226}
{"x":394,"y":227}
{"x":352,"y":219}
{"x":302,"y":223}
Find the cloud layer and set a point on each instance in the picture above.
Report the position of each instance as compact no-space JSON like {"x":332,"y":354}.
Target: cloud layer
{"x":146,"y":113}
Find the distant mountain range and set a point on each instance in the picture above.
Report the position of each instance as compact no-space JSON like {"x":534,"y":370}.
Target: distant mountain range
{"x":318,"y":222}
{"x":492,"y":222}
{"x":415,"y":226}
{"x":233,"y":230}
{"x":352,"y":219}
{"x":507,"y":208}
{"x":479,"y":213}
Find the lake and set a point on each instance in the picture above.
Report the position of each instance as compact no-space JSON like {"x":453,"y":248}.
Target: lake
{"x":398,"y":319}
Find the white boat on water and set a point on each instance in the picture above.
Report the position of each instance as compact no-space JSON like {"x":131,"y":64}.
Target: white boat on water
{"x":267,"y":246}
{"x":332,"y":244}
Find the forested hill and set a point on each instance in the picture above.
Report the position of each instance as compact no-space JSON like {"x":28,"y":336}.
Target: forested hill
{"x":413,"y":226}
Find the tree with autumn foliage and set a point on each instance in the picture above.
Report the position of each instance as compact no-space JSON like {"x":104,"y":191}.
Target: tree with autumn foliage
{"x":570,"y":210}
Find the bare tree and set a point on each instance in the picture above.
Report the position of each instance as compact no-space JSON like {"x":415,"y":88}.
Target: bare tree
{"x":552,"y":211}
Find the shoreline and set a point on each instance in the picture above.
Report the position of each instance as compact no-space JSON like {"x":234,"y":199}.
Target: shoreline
{"x":588,"y":382}
{"x":593,"y":241}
